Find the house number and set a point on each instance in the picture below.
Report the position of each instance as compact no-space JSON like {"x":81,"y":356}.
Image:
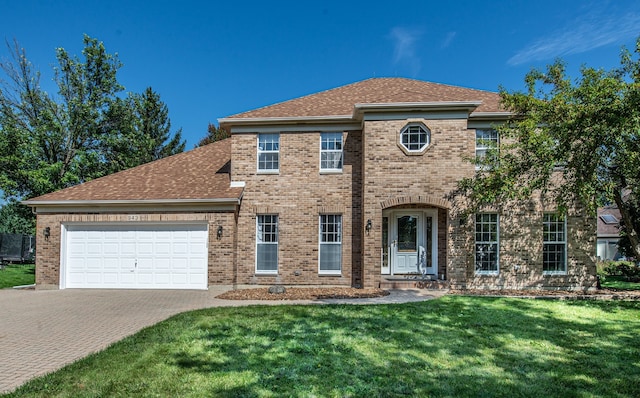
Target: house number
{"x":133,"y":218}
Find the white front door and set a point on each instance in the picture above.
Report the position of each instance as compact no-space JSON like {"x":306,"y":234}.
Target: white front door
{"x":412,"y":241}
{"x":407,"y":243}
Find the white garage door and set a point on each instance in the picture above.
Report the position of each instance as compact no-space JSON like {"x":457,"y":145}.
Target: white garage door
{"x":155,"y":256}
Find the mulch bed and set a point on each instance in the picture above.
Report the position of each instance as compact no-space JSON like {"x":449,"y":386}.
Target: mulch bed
{"x":303,"y":293}
{"x":323,"y":293}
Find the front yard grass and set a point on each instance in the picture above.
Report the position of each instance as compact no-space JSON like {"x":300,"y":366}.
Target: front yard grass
{"x":17,"y":275}
{"x":456,"y":346}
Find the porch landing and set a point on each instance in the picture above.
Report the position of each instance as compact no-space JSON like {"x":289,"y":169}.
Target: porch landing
{"x":413,"y":282}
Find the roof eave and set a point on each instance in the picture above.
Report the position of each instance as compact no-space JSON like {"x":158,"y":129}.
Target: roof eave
{"x":361,"y":108}
{"x":491,"y":115}
{"x":253,"y":121}
{"x":131,"y":202}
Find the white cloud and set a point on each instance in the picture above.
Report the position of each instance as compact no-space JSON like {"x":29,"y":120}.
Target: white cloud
{"x":600,"y":27}
{"x":448,"y":39}
{"x":404,"y":51}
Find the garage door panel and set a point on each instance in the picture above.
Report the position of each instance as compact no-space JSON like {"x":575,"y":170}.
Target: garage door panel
{"x":163,"y":264}
{"x":136,"y":256}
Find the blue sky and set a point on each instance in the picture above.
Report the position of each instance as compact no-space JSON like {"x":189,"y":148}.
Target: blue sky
{"x":210,"y":59}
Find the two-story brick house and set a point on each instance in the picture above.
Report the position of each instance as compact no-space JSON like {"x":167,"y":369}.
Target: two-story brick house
{"x":344,"y":187}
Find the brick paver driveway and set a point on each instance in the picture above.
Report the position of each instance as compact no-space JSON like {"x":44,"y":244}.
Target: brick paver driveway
{"x":43,"y":330}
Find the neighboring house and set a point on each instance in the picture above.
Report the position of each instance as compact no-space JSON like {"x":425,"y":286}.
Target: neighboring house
{"x":344,"y":187}
{"x":608,"y":234}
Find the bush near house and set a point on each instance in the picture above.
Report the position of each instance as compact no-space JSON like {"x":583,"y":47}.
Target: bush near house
{"x":628,"y":270}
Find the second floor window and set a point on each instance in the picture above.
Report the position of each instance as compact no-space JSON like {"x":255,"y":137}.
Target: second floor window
{"x":331,"y":151}
{"x":415,"y":137}
{"x":269,"y":152}
{"x":486,"y":140}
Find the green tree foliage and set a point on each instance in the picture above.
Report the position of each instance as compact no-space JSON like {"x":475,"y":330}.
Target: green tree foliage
{"x":213,"y":134}
{"x":89,"y":129}
{"x":145,"y":134}
{"x":573,"y":142}
{"x":16,"y":218}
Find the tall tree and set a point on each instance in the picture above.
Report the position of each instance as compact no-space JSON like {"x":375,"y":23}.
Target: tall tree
{"x":89,"y":129}
{"x":54,"y":143}
{"x":573,"y":142}
{"x":213,"y":134}
{"x":145,"y":135}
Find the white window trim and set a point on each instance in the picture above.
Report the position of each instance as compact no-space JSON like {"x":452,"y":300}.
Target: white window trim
{"x":481,"y":272}
{"x":258,"y":152}
{"x":419,"y":125}
{"x":566,"y":248}
{"x":320,"y":243}
{"x":332,"y":170}
{"x":267,"y":272}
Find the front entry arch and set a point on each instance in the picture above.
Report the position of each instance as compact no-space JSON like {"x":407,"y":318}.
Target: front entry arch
{"x":409,"y":241}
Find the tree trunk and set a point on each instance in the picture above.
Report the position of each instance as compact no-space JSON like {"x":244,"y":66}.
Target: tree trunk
{"x":632,"y":234}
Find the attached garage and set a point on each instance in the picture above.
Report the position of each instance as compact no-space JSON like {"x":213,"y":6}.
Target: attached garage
{"x":167,"y":224}
{"x":135,"y":256}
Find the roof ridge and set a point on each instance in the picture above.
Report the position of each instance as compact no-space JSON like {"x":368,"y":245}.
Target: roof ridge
{"x":340,"y":100}
{"x":299,"y":98}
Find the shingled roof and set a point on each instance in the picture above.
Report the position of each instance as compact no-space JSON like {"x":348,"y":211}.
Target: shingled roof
{"x":199,"y":174}
{"x":341,"y":101}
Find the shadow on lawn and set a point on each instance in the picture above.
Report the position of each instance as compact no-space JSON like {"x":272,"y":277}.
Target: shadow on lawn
{"x":449,"y":347}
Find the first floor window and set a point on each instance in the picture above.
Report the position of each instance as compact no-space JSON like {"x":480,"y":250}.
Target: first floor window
{"x":267,"y":243}
{"x":554,"y":252}
{"x":330,"y":243}
{"x":487,"y":244}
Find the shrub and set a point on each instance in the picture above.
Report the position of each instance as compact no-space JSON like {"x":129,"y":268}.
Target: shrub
{"x":626,"y":269}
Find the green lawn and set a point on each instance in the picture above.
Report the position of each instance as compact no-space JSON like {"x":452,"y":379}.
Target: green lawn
{"x":455,"y":346}
{"x":17,"y":275}
{"x":618,"y":282}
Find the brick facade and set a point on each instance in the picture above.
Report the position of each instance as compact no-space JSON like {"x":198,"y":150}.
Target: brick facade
{"x":298,"y":194}
{"x":379,"y":178}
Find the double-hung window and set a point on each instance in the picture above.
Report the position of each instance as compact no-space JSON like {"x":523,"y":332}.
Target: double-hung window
{"x":330,"y":244}
{"x":331,"y":151}
{"x":268,"y":153}
{"x":554,"y":252}
{"x":267,"y":244}
{"x":487,"y":246}
{"x":486,"y":140}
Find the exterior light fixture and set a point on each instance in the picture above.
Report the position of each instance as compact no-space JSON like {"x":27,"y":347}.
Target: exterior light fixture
{"x":47,"y":233}
{"x":368,"y":226}
{"x":219,"y":232}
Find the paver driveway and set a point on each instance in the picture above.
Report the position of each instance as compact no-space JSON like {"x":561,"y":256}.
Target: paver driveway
{"x":43,"y":330}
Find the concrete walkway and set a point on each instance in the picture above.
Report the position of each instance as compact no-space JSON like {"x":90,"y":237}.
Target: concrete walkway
{"x":43,"y":330}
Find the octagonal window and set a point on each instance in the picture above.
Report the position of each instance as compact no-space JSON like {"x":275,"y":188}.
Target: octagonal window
{"x":415,"y":137}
